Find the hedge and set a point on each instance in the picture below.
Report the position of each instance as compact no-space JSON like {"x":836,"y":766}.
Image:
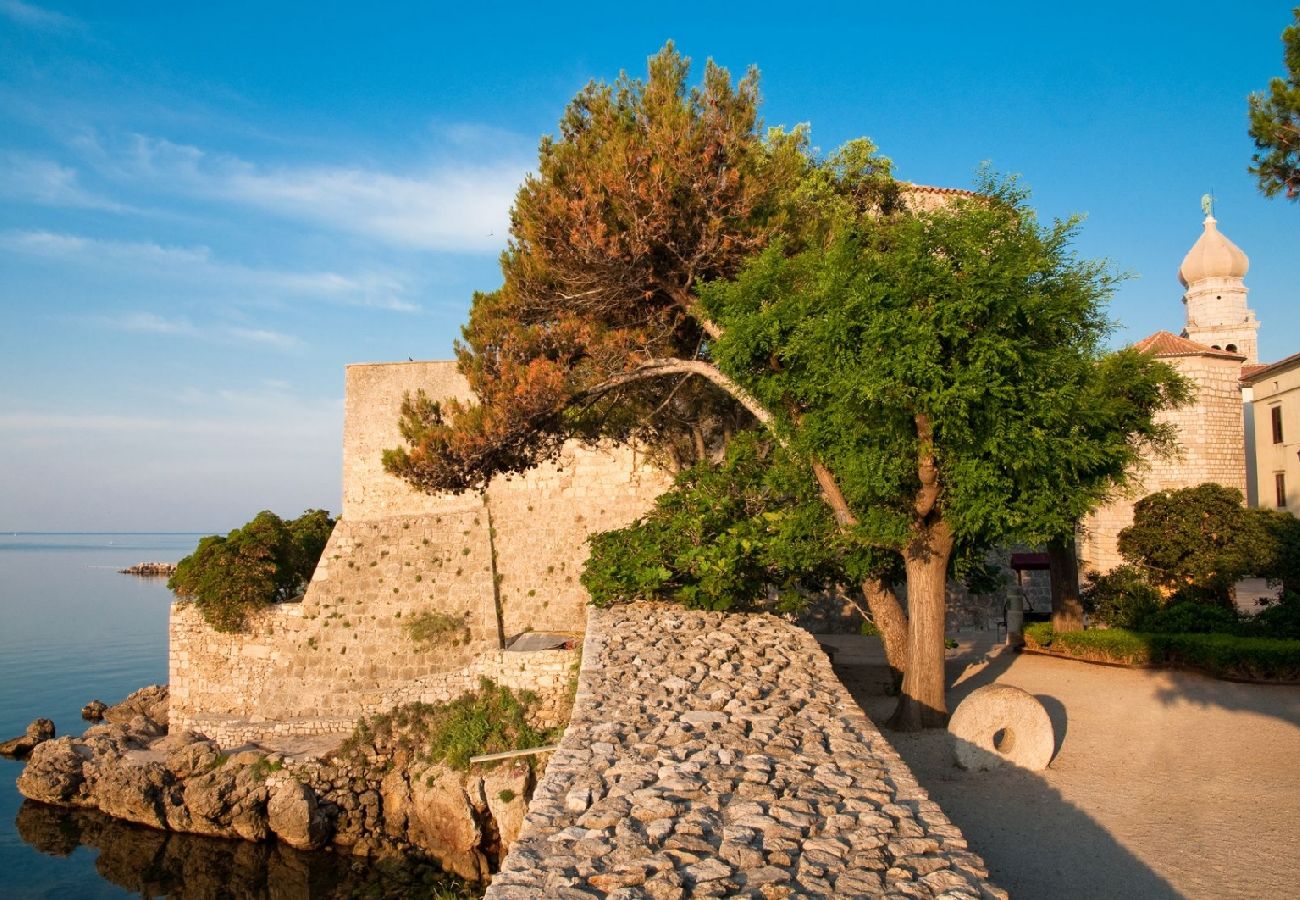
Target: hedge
{"x":1221,"y":655}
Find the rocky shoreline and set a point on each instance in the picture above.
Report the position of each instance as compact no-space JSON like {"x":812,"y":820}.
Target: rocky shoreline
{"x":150,"y":570}
{"x":368,"y":799}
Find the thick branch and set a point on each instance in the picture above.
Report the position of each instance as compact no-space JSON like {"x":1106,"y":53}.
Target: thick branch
{"x":657,"y":368}
{"x":834,"y":496}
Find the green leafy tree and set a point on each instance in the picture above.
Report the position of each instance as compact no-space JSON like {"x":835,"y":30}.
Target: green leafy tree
{"x":748,"y":533}
{"x":943,"y":365}
{"x":1275,"y":123}
{"x":1196,"y":543}
{"x":266,"y":561}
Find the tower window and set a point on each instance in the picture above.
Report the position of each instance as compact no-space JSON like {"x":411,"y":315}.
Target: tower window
{"x":1215,"y":347}
{"x":1279,"y":482}
{"x":1276,"y":413}
{"x":1231,"y":348}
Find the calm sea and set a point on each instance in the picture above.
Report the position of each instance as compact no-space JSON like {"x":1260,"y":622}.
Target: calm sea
{"x":73,"y":629}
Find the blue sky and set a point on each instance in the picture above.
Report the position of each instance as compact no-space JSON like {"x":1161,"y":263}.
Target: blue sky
{"x":207,"y":210}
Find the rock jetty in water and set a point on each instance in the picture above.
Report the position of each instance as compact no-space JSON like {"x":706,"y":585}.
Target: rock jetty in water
{"x":150,"y":570}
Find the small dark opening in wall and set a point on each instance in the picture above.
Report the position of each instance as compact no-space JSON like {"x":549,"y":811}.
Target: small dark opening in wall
{"x":1215,"y":347}
{"x":1231,"y":348}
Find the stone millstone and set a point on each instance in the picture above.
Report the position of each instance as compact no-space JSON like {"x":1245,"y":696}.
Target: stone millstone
{"x":1000,"y":724}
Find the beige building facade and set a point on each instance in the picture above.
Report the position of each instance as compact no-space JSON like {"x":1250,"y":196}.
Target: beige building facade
{"x":1275,"y":391}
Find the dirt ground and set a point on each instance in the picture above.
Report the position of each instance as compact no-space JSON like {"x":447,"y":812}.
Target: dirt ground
{"x":1164,"y":784}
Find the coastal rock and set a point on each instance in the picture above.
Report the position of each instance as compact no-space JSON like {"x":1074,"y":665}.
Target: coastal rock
{"x":54,"y":772}
{"x":134,"y":793}
{"x":150,"y":702}
{"x":40,"y":731}
{"x":442,"y":820}
{"x":506,"y":791}
{"x":294,"y":815}
{"x":374,"y":804}
{"x":94,"y":711}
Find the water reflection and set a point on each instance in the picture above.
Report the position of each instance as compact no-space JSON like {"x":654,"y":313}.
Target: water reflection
{"x":151,"y":863}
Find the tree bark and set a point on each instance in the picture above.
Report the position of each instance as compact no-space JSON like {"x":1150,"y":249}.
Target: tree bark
{"x":923,"y":703}
{"x":890,"y":620}
{"x":1063,"y":566}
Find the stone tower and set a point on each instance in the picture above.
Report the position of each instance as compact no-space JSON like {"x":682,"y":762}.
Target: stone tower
{"x":1213,"y":273}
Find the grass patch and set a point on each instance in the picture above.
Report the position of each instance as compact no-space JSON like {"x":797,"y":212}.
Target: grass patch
{"x":492,"y":719}
{"x":1221,"y":655}
{"x":432,"y":627}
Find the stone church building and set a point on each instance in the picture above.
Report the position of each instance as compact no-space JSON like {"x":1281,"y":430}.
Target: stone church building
{"x":1235,"y":431}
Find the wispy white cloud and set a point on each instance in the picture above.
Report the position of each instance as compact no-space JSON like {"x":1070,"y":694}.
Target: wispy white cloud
{"x":152,"y":323}
{"x":32,"y":16}
{"x":146,"y":323}
{"x":262,"y":336}
{"x":49,"y":183}
{"x":197,"y":266}
{"x":450,"y":206}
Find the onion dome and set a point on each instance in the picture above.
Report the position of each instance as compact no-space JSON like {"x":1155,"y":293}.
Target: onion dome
{"x":1212,"y":256}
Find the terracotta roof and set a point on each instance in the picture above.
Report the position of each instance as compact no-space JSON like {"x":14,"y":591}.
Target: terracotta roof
{"x":1162,"y":343}
{"x":1258,"y":372}
{"x":931,"y":189}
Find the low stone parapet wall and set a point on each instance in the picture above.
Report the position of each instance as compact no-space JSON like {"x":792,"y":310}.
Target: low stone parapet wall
{"x":718,"y":755}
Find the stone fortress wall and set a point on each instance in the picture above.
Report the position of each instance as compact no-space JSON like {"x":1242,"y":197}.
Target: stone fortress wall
{"x":342,"y":652}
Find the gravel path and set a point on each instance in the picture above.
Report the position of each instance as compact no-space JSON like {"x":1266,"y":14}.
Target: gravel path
{"x":1165,"y":784}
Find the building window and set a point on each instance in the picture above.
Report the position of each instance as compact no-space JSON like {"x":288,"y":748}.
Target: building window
{"x":1231,"y":348}
{"x":1279,"y":481}
{"x":1276,"y":413}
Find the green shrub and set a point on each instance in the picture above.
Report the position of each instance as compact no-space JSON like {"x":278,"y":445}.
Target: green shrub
{"x":1191,"y":617}
{"x":1222,"y":655}
{"x":1121,"y":598}
{"x":266,"y":561}
{"x":1229,"y":656}
{"x":1278,"y":620}
{"x":492,"y":719}
{"x":1098,"y":645}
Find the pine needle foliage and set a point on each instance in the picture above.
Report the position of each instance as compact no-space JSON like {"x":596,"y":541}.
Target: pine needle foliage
{"x":1275,"y":123}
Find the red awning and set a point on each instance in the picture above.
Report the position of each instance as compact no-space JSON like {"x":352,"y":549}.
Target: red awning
{"x":1029,"y":562}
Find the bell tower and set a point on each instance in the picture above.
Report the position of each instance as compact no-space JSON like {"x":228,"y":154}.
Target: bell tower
{"x":1213,"y":273}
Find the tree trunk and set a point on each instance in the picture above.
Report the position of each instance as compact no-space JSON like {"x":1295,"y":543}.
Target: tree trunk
{"x":890,"y":620}
{"x":923,"y":703}
{"x":1063,"y":566}
{"x":886,"y":612}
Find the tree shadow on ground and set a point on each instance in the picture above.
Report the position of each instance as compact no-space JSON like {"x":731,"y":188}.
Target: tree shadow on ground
{"x":1279,"y":701}
{"x":1035,"y":842}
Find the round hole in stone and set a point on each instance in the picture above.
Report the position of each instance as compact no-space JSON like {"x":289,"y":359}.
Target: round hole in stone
{"x":1003,"y":740}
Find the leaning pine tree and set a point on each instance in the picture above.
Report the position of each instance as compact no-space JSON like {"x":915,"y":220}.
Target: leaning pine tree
{"x":673,"y":276}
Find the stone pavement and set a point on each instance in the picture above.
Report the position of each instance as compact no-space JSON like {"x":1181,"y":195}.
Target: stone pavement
{"x":714,"y":754}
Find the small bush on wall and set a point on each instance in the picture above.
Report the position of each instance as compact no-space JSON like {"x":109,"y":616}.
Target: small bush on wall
{"x":268,"y":560}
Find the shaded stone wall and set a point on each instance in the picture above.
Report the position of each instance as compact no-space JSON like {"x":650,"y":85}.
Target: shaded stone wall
{"x":1211,"y":436}
{"x":344,"y":650}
